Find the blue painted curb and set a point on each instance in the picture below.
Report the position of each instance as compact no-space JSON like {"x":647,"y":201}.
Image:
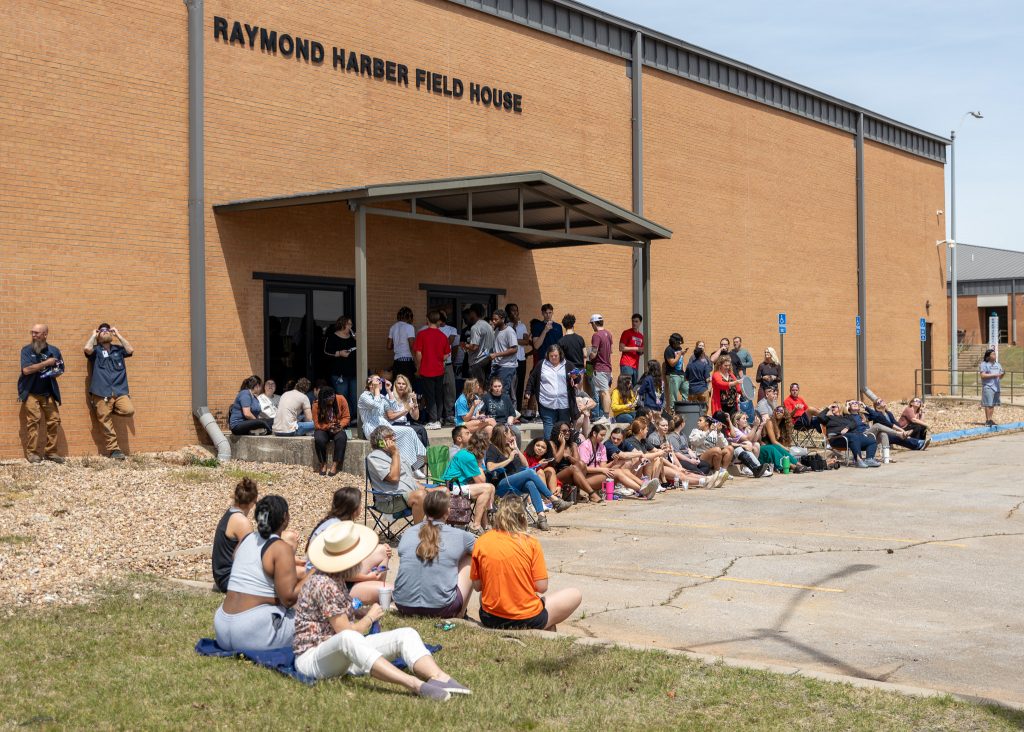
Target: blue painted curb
{"x":976,"y":431}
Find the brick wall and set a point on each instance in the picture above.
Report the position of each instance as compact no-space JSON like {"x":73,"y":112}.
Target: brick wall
{"x":93,"y":210}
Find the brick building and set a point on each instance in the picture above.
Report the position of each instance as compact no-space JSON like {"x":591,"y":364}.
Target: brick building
{"x":990,"y":282}
{"x":755,"y":176}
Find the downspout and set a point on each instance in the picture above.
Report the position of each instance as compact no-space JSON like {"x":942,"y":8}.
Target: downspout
{"x":641,"y":253}
{"x":862,"y":304}
{"x":197,"y":231}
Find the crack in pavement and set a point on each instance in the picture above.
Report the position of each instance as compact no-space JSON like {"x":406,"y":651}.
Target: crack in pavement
{"x":1009,"y":514}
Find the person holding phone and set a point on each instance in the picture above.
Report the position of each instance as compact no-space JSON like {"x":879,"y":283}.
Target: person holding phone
{"x":469,"y":408}
{"x":374,"y":404}
{"x":677,"y":389}
{"x":506,"y":468}
{"x":390,"y":474}
{"x":340,"y":349}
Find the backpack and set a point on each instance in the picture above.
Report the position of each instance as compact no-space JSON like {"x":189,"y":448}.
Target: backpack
{"x":815,"y":462}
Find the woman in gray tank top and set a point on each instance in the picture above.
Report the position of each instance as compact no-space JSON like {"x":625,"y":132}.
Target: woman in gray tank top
{"x":257,"y":611}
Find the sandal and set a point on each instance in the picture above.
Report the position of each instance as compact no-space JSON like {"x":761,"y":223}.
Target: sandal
{"x":595,"y":498}
{"x":332,"y":473}
{"x":323,"y":469}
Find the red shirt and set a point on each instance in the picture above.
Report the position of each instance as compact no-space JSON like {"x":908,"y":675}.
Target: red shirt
{"x":433,"y":345}
{"x":797,"y":406}
{"x":631,"y":339}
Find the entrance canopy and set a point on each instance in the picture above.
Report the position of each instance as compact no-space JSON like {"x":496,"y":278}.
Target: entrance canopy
{"x":533,"y":210}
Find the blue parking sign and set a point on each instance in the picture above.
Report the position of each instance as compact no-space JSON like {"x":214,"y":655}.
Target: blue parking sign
{"x":857,"y":325}
{"x":924,"y":330}
{"x":782,"y":319}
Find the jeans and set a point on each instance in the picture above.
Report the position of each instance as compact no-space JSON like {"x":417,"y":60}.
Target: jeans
{"x":625,"y":418}
{"x":259,"y":628}
{"x":628,"y":371}
{"x":304,"y":428}
{"x":549,"y":416}
{"x":351,"y":652}
{"x":346,"y":386}
{"x":859,"y":442}
{"x":433,"y":388}
{"x":449,"y":392}
{"x":320,"y":440}
{"x":520,"y":383}
{"x":507,"y":374}
{"x":521,"y":482}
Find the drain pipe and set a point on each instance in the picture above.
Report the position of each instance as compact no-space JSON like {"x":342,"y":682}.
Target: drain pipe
{"x":197,"y":231}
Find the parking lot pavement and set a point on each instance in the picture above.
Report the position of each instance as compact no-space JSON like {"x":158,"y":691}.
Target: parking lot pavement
{"x":911,"y":573}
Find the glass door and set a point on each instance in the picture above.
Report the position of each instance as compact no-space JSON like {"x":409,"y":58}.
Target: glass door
{"x":297,"y":321}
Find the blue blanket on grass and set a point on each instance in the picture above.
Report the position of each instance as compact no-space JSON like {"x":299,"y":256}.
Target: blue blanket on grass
{"x":281,"y":660}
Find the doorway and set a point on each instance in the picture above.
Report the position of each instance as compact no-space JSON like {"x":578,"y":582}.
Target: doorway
{"x":296,"y":320}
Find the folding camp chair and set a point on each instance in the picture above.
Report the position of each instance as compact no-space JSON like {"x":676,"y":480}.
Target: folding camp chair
{"x":437,"y":462}
{"x":844,"y":453}
{"x":389,"y":525}
{"x":809,"y":438}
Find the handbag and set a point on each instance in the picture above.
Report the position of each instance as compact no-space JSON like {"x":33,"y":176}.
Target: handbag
{"x":460,"y":509}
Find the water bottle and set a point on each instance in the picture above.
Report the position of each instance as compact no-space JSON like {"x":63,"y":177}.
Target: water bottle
{"x":677,"y":482}
{"x":785,"y":464}
{"x":609,"y":489}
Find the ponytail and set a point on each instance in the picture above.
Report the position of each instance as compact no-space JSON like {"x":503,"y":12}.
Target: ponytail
{"x":271,"y":513}
{"x":435,"y":507}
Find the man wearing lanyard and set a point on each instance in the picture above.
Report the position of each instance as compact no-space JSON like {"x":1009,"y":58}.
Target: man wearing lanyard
{"x":108,"y":385}
{"x":41,"y":364}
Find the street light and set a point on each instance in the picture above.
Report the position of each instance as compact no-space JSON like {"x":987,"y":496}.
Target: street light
{"x":954,"y":360}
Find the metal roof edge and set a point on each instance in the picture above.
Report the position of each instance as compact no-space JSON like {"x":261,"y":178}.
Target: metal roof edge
{"x":684,"y":45}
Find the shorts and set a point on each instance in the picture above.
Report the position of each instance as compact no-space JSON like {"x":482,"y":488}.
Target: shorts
{"x":601,"y":381}
{"x":392,"y":503}
{"x":452,"y":610}
{"x":537,"y":622}
{"x":989,"y":398}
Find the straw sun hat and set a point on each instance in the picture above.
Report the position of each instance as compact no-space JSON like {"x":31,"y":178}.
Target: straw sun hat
{"x":341,"y":546}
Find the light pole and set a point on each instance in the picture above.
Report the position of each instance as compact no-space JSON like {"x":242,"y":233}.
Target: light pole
{"x":954,"y":345}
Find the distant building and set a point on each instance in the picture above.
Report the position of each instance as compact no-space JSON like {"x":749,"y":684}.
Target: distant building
{"x":989,"y":280}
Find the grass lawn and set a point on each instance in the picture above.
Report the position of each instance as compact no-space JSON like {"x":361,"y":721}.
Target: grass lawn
{"x":127,"y":663}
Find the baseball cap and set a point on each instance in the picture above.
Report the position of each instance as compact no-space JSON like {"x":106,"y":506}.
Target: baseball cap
{"x":596,"y":317}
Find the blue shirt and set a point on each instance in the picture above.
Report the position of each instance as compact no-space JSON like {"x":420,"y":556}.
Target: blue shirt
{"x":554,"y":335}
{"x":244,"y":399}
{"x":698,"y":373}
{"x":991,"y":368}
{"x":36,"y":383}
{"x":109,"y":376}
{"x":463,"y":467}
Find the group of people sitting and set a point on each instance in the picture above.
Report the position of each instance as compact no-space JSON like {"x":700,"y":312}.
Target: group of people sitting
{"x":326,"y":605}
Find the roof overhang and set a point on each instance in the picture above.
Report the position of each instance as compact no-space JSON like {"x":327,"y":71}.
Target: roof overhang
{"x":534,"y":210}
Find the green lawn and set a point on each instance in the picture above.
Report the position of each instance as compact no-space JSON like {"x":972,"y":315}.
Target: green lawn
{"x":128,"y":663}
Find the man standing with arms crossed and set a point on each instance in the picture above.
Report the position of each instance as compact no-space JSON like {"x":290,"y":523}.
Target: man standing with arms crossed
{"x":503,"y":354}
{"x":41,"y":364}
{"x":600,"y":353}
{"x":108,"y":385}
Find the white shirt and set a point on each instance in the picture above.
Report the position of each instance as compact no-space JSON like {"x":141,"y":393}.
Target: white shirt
{"x":400,"y":333}
{"x":267,"y":407}
{"x":449,"y":331}
{"x":290,"y":410}
{"x":520,"y":334}
{"x":553,"y":393}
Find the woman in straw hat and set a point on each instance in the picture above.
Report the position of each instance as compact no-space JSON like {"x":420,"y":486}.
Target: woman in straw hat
{"x":331,"y":641}
{"x":509,"y":573}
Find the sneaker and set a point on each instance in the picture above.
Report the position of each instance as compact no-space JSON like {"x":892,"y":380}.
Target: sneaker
{"x":727,"y":475}
{"x":761,"y":470}
{"x":432,"y":426}
{"x":746,"y":472}
{"x":601,"y":420}
{"x":560,"y":505}
{"x":453,"y":686}
{"x":623,"y":491}
{"x":927,"y":442}
{"x":861,"y":464}
{"x":872,"y":463}
{"x":419,"y":474}
{"x":34,"y":458}
{"x":649,"y":488}
{"x":542,"y":523}
{"x":434,"y":690}
{"x":117,"y":455}
{"x":661,"y":489}
{"x":55,"y":459}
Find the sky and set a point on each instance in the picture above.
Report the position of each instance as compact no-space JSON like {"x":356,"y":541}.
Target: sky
{"x":923,"y":63}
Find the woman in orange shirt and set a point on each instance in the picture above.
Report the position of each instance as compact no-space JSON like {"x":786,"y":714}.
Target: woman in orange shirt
{"x":508,"y":571}
{"x":330,"y":418}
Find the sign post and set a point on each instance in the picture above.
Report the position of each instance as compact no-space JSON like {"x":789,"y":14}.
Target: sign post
{"x":924,"y":376}
{"x":782,"y":348}
{"x":993,"y":332}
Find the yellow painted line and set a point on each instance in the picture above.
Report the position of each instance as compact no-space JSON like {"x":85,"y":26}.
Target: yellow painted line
{"x":784,"y":532}
{"x":741,"y":580}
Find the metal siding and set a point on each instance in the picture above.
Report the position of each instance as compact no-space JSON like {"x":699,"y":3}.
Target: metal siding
{"x":592,"y":28}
